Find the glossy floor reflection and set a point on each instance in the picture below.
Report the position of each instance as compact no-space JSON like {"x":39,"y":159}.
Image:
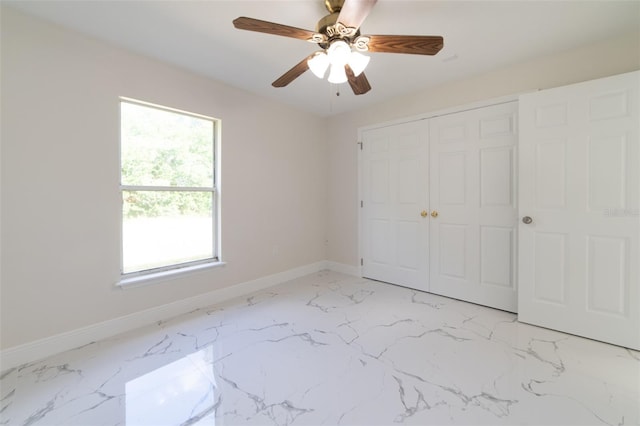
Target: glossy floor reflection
{"x":331,"y":349}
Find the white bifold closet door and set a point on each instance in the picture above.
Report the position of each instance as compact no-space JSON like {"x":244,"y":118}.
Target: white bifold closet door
{"x":579,"y":252}
{"x":439,"y":205}
{"x":394,"y":190}
{"x":473,"y":205}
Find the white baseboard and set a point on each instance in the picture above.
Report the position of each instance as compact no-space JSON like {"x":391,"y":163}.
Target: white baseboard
{"x":52,"y":345}
{"x":343,"y":268}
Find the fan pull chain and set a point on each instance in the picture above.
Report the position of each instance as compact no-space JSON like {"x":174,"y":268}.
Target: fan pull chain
{"x":331,"y":85}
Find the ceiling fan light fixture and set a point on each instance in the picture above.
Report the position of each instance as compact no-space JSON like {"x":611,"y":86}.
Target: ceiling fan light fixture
{"x":319,"y":64}
{"x":358,"y":62}
{"x":337,"y":75}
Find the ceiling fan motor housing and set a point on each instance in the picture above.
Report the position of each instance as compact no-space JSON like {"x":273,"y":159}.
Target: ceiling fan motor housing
{"x":333,"y":6}
{"x":327,"y":26}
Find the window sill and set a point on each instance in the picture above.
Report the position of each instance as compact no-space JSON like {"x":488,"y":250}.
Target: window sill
{"x":154,"y":278}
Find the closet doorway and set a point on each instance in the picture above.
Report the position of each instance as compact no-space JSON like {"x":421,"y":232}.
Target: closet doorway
{"x":438,"y":205}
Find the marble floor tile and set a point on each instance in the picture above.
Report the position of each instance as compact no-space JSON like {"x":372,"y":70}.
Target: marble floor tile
{"x":330,"y":349}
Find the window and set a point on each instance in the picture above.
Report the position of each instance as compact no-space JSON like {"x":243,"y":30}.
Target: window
{"x":168,"y":185}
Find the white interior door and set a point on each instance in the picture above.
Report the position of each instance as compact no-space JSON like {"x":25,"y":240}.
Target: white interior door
{"x":473,"y":191}
{"x":394,"y":188}
{"x":579,"y":182}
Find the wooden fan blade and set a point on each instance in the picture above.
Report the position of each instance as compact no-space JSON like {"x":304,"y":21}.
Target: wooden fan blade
{"x":360,"y":84}
{"x":293,"y":73}
{"x":415,"y":45}
{"x":354,"y":12}
{"x":250,"y":24}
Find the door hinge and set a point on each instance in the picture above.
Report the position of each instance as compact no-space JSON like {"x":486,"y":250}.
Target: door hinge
{"x":361,"y":262}
{"x":361,"y":203}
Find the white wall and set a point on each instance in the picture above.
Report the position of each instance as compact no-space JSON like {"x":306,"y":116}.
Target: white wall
{"x":609,"y":57}
{"x":60,"y":177}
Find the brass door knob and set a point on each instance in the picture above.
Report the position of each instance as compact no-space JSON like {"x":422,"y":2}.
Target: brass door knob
{"x":424,"y":213}
{"x":434,"y":214}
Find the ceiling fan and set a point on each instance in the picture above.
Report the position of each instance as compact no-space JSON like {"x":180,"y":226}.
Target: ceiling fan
{"x":338,"y":35}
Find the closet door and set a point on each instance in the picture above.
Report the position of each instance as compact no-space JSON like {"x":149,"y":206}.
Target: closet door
{"x":394,"y":187}
{"x":473,"y":205}
{"x":579,"y":188}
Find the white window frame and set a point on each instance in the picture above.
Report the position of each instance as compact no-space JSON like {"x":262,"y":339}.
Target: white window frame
{"x":148,"y":276}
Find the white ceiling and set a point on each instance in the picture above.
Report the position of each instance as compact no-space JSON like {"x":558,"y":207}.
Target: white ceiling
{"x":478,"y":36}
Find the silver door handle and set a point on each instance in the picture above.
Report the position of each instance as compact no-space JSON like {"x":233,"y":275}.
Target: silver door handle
{"x":527,"y":220}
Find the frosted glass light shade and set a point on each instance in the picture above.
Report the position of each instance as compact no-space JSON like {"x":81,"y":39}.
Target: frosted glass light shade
{"x":339,"y":53}
{"x":319,"y":64}
{"x":337,"y":56}
{"x":358,"y":62}
{"x":337,"y":74}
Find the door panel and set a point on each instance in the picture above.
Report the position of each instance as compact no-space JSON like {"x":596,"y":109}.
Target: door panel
{"x":579,"y":181}
{"x":451,"y":250}
{"x":497,"y":248}
{"x":496,"y":172}
{"x":551,"y":178}
{"x":550,"y":253}
{"x":452,"y":178}
{"x":606,"y":277}
{"x":394,"y":193}
{"x":607,"y":172}
{"x":473,"y":183}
